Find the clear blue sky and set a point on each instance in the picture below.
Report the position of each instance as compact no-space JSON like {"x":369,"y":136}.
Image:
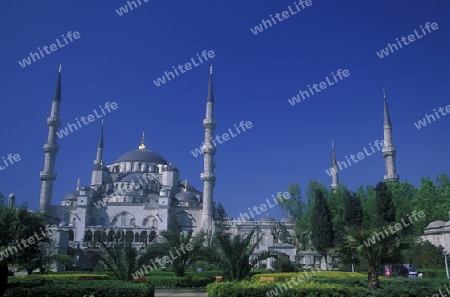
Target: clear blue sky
{"x":117,"y":58}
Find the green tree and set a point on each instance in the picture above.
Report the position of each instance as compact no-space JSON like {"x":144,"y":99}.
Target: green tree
{"x":375,"y":253}
{"x":283,"y":264}
{"x":181,"y":248}
{"x":235,"y":255}
{"x":119,"y":256}
{"x":219,"y":212}
{"x":296,"y":211}
{"x":322,"y":226}
{"x":336,"y":204}
{"x":427,"y":200}
{"x":353,"y":211}
{"x":369,"y":203}
{"x":385,"y":206}
{"x":16,"y":224}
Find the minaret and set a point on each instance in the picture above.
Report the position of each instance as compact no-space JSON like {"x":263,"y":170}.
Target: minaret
{"x":334,"y":170}
{"x":208,"y":176}
{"x":389,"y":151}
{"x":48,"y":175}
{"x":97,"y":172}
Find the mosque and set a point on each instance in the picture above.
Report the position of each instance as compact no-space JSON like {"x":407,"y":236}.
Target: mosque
{"x":140,"y":194}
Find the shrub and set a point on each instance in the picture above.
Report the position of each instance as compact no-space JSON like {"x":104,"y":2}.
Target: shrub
{"x":283,"y":264}
{"x":47,"y":287}
{"x":172,"y":282}
{"x":246,"y":289}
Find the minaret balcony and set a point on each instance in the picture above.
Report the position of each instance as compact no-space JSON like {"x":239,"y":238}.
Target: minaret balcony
{"x":51,"y":148}
{"x":46,"y":176}
{"x":208,"y":176}
{"x":209,"y":123}
{"x":391,"y":177}
{"x":208,"y":149}
{"x":389,"y":151}
{"x":54,"y":122}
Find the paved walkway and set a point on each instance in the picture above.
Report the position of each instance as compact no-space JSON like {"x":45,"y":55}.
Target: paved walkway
{"x":180,"y":293}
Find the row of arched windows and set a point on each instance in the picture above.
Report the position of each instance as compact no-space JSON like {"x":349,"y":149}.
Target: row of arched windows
{"x":113,"y":235}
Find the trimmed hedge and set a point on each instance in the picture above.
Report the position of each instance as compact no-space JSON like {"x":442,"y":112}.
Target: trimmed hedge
{"x":246,"y":289}
{"x":72,"y":276}
{"x":172,"y":282}
{"x":280,"y":277}
{"x":47,"y":287}
{"x":330,"y":286}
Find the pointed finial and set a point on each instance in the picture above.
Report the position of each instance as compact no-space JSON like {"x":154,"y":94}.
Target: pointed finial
{"x":332,"y":144}
{"x":142,"y":146}
{"x":210,"y":69}
{"x":59,"y":68}
{"x":78,"y":184}
{"x":384,"y":93}
{"x":185,"y":185}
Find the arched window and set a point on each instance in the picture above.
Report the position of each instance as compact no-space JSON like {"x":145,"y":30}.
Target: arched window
{"x":111,"y":235}
{"x":136,"y":237}
{"x":71,"y":235}
{"x":88,"y":236}
{"x":133,"y":222}
{"x":129,"y":236}
{"x":143,"y":236}
{"x":97,"y":235}
{"x":152,"y":236}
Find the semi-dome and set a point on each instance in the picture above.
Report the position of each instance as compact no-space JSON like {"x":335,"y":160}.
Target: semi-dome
{"x":186,"y":196}
{"x":143,"y":155}
{"x":72,"y":195}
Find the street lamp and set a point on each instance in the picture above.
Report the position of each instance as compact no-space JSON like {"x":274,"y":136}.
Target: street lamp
{"x":444,"y":252}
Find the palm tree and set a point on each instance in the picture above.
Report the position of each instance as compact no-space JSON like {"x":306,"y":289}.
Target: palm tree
{"x":382,"y":249}
{"x":181,"y":248}
{"x":118,"y":256}
{"x":235,"y":254}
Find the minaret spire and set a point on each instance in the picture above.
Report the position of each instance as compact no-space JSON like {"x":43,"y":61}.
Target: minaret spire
{"x":334,"y":170}
{"x":208,"y":176}
{"x":99,"y":158}
{"x":48,"y":175}
{"x":389,"y":151}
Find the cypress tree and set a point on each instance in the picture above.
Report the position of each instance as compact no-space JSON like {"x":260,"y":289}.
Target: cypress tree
{"x":322,"y":225}
{"x":385,"y":205}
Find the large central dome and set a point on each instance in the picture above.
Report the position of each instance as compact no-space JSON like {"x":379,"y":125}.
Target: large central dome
{"x":143,"y":155}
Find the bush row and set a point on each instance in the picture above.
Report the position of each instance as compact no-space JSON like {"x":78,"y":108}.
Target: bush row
{"x":43,"y":287}
{"x":72,"y":276}
{"x":324,"y":287}
{"x":247,"y":289}
{"x":172,"y":282}
{"x":308,"y":274}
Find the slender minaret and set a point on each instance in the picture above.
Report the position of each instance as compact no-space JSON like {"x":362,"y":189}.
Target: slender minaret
{"x":389,"y":151}
{"x":97,"y":172}
{"x":208,"y":176}
{"x":334,"y":170}
{"x":48,"y":175}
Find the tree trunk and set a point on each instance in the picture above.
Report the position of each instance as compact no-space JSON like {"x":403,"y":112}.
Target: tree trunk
{"x":374,"y":282}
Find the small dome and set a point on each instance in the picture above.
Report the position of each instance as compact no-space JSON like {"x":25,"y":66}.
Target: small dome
{"x":143,"y":155}
{"x":186,"y":196}
{"x":227,"y":219}
{"x":435,"y":224}
{"x":72,"y":195}
{"x":267,"y":219}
